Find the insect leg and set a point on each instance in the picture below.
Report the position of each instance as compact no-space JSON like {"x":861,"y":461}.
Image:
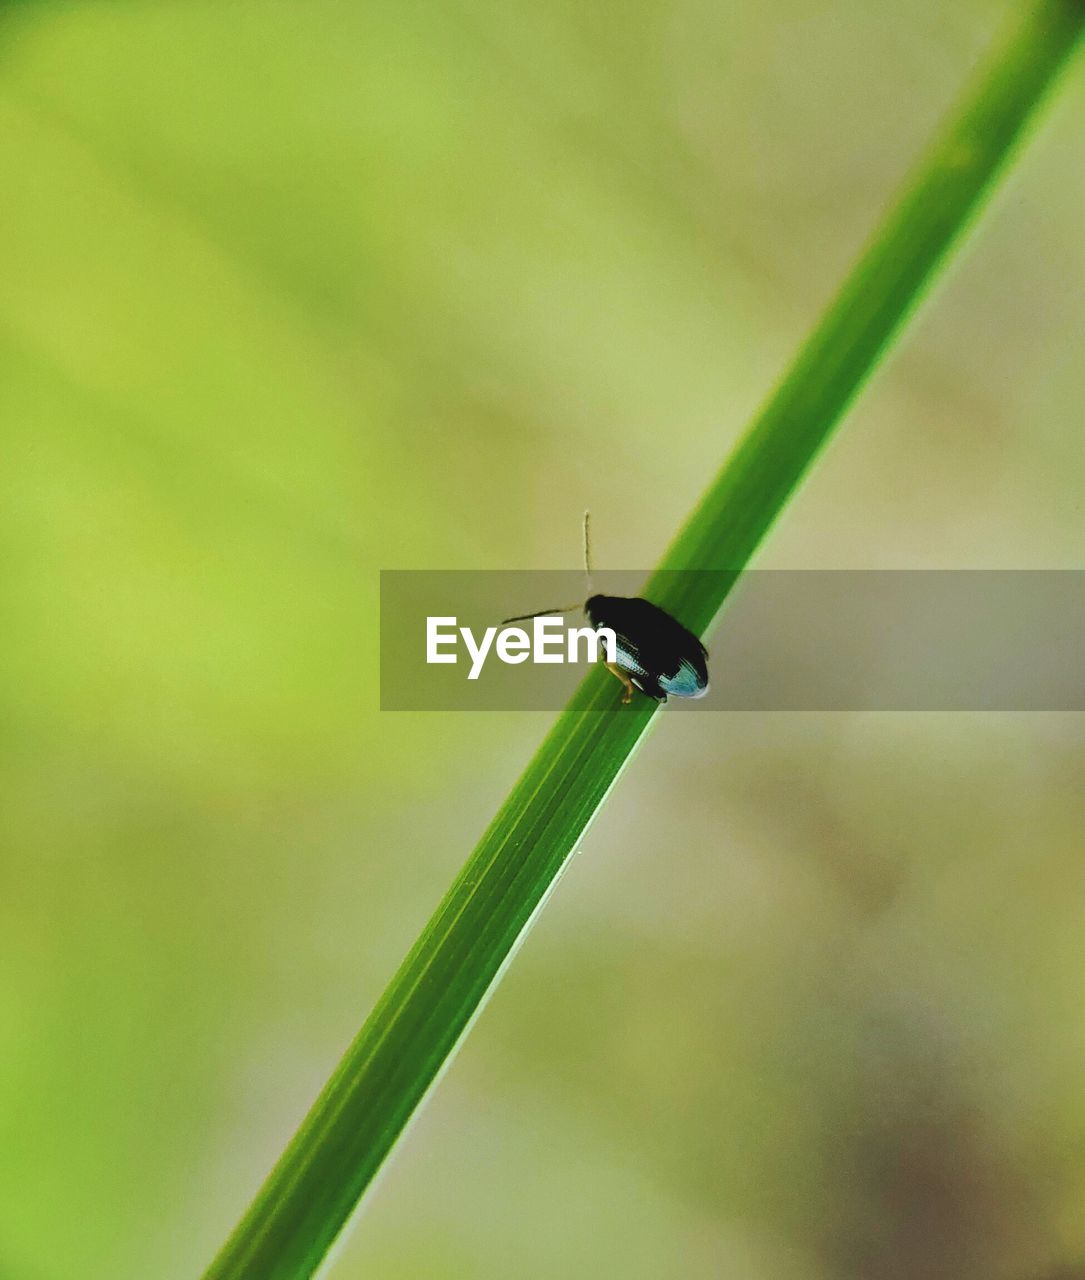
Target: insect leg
{"x":615,"y":670}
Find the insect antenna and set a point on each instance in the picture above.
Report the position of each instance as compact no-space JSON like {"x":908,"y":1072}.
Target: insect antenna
{"x":542,"y":613}
{"x":569,"y":608}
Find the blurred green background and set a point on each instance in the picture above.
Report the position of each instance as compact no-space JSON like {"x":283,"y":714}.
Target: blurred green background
{"x":292,"y":292}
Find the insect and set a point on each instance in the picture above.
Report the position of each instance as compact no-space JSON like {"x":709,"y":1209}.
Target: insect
{"x":654,"y":652}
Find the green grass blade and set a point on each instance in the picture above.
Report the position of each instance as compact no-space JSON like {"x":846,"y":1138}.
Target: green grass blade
{"x":442,"y":984}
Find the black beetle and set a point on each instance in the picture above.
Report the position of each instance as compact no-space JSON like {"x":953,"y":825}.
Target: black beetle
{"x":654,"y":652}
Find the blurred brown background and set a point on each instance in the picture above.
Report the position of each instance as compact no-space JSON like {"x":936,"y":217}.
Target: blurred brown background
{"x":290,"y":293}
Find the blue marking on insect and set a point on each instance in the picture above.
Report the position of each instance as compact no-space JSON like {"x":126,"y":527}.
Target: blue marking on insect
{"x":655,"y":653}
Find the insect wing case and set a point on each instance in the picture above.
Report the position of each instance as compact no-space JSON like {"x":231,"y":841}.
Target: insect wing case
{"x":660,"y":656}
